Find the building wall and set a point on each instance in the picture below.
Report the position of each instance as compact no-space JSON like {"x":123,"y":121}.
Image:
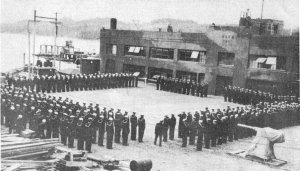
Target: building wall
{"x":213,"y":42}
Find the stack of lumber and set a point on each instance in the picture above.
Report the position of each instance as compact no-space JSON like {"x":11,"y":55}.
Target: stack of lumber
{"x":24,"y":147}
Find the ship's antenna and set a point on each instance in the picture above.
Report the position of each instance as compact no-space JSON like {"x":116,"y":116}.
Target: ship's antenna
{"x":262,"y":9}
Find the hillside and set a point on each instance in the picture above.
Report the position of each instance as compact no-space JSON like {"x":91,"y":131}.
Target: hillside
{"x":90,"y":29}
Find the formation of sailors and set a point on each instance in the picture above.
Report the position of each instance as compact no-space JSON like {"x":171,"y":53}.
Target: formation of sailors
{"x":52,"y":117}
{"x":188,"y":87}
{"x":78,"y":82}
{"x":247,"y":96}
{"x":211,"y":127}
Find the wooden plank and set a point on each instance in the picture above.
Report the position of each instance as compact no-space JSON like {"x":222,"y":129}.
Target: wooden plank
{"x":14,"y":139}
{"x":27,"y":145}
{"x":26,"y":155}
{"x":28,"y":150}
{"x":271,"y":163}
{"x":9,"y":135}
{"x":37,"y":140}
{"x":29,"y":161}
{"x":13,"y":167}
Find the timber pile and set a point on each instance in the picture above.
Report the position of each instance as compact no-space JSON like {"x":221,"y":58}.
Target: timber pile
{"x":19,"y":149}
{"x":15,"y":146}
{"x":18,"y":152}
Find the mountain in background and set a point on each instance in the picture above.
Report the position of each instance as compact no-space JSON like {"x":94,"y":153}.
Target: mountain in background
{"x":90,"y":29}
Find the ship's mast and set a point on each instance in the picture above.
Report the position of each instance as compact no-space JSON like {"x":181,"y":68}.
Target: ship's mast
{"x":262,"y":9}
{"x":43,"y":19}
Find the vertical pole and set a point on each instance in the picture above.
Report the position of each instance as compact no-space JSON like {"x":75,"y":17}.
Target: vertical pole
{"x":33,"y":48}
{"x":262,"y":9}
{"x":24,"y":60}
{"x":29,"y":55}
{"x":56,"y":31}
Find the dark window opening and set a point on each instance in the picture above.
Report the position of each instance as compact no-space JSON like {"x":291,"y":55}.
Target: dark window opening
{"x":162,"y":53}
{"x":194,"y":56}
{"x":128,"y":68}
{"x":225,"y":58}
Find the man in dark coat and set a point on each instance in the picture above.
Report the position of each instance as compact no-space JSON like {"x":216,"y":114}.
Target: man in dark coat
{"x":158,"y":132}
{"x":133,"y":122}
{"x":19,"y":124}
{"x":71,"y":131}
{"x":185,"y":132}
{"x":180,"y":125}
{"x":63,"y":128}
{"x":141,"y":126}
{"x":54,"y":121}
{"x":88,"y":126}
{"x":158,"y":83}
{"x":118,"y":125}
{"x":201,"y":128}
{"x":110,"y":133}
{"x":80,"y":134}
{"x":101,"y":129}
{"x":41,"y":129}
{"x":172,"y":124}
{"x":207,"y":133}
{"x":165,"y":128}
{"x":125,"y":129}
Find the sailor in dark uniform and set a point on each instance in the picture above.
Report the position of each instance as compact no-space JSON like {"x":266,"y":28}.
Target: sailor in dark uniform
{"x":141,"y":126}
{"x":110,"y":133}
{"x":88,"y":134}
{"x":125,"y":129}
{"x":158,"y":132}
{"x":101,"y":129}
{"x":133,"y":123}
{"x":71,"y":131}
{"x":201,"y":128}
{"x":80,"y":134}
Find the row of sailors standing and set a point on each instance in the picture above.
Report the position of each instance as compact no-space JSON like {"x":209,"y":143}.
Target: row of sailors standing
{"x":220,"y":126}
{"x":78,"y":82}
{"x":247,"y":96}
{"x":188,"y":87}
{"x":67,"y":120}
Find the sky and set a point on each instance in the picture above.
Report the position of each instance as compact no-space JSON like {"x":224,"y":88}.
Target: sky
{"x":202,"y":11}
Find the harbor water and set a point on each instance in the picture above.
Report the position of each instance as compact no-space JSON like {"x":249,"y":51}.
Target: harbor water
{"x":13,"y":47}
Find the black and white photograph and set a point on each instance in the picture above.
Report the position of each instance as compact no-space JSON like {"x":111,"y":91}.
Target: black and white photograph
{"x":149,"y":85}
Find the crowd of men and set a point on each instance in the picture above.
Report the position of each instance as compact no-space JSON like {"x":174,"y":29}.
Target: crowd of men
{"x":188,"y":87}
{"x":52,"y":117}
{"x":247,"y":96}
{"x":215,"y":127}
{"x":162,"y":128}
{"x":78,"y":82}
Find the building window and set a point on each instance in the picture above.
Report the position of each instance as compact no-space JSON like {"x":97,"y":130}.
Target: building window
{"x":162,"y":53}
{"x":194,"y":56}
{"x":134,"y":50}
{"x":111,"y":49}
{"x":225,"y":58}
{"x":273,"y":63}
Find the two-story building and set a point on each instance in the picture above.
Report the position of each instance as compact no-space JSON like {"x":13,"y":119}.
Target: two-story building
{"x":230,"y":55}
